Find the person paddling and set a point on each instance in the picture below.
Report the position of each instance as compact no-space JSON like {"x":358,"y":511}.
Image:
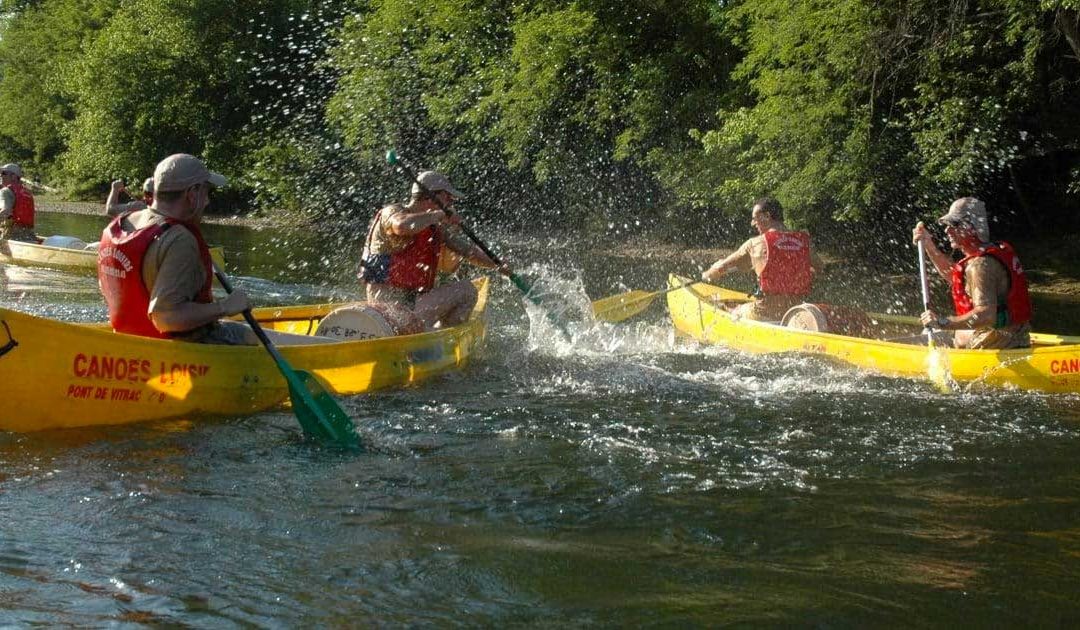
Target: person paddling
{"x":400,"y":259}
{"x":782,"y":259}
{"x":989,"y":287}
{"x":154,"y":266}
{"x":113,"y":206}
{"x":16,"y":206}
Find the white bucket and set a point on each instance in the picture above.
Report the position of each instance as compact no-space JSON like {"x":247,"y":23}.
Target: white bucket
{"x":369,"y":321}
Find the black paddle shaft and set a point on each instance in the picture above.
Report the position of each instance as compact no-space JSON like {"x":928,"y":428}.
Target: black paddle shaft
{"x":464,"y":228}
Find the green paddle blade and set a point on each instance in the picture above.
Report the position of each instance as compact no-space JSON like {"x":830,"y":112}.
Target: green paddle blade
{"x":318,"y":412}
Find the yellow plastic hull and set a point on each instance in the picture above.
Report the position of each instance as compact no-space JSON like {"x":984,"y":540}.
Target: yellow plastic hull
{"x":1051,"y":368}
{"x":66,"y":258}
{"x":62,"y":375}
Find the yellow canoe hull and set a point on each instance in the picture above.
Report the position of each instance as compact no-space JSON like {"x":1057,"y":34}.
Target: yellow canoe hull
{"x":62,"y":375}
{"x":34,"y":254}
{"x":696,"y":314}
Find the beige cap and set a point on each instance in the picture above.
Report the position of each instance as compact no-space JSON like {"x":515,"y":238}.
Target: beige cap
{"x":435,"y":181}
{"x":11,"y":168}
{"x":181,"y":171}
{"x":971,"y":211}
{"x":148,"y":186}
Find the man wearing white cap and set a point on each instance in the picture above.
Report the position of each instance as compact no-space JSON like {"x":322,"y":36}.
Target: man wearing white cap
{"x":16,"y":206}
{"x":989,"y":288}
{"x":400,"y":261}
{"x":113,"y":206}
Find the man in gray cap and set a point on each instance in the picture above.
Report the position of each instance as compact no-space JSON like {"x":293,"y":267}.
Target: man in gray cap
{"x":400,"y":261}
{"x":113,"y":206}
{"x":16,"y":206}
{"x":989,"y":288}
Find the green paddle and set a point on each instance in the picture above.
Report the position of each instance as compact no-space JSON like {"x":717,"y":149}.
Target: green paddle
{"x":393,"y":160}
{"x":319,"y":414}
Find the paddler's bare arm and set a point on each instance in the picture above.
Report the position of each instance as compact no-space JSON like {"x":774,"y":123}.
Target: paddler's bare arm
{"x":191,"y":315}
{"x":720,"y":267}
{"x":940,"y":259}
{"x":456,"y":240}
{"x":409,"y":223}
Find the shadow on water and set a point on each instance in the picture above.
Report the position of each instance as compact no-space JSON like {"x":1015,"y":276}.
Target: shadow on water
{"x":621,"y":477}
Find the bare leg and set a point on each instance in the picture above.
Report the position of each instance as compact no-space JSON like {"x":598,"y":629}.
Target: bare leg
{"x":448,"y":305}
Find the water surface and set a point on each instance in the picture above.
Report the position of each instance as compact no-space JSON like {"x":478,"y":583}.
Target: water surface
{"x":626,"y":478}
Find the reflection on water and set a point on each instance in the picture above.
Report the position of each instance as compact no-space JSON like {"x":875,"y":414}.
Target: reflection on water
{"x":618,"y":477}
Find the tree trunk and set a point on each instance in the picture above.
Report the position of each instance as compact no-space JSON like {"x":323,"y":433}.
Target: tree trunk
{"x":1066,"y":22}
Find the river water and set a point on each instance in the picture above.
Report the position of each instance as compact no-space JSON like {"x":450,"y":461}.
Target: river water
{"x":625,"y":479}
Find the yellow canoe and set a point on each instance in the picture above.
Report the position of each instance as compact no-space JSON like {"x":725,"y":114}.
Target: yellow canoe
{"x":59,"y":375}
{"x":66,"y":258}
{"x":1048,"y":366}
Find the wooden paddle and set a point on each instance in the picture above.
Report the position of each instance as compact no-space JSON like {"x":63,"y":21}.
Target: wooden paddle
{"x":319,"y":414}
{"x":623,"y":306}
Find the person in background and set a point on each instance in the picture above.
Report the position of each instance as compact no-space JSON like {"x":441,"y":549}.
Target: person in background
{"x":113,"y":206}
{"x":400,"y":260}
{"x":782,"y":259}
{"x":16,"y":206}
{"x":154,"y":267}
{"x":989,"y":287}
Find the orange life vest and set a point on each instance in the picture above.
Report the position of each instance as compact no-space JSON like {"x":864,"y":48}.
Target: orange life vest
{"x":414,"y":266}
{"x":787,"y":268}
{"x":120,"y":266}
{"x":1017,"y":307}
{"x":23,"y":212}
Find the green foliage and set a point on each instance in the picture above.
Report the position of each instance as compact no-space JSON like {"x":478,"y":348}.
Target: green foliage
{"x":36,"y":46}
{"x":577,"y":113}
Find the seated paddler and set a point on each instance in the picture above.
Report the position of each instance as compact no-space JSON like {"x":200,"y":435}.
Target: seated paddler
{"x":16,"y":206}
{"x":155,"y":271}
{"x":989,"y":288}
{"x":402,"y":252}
{"x":782,"y":259}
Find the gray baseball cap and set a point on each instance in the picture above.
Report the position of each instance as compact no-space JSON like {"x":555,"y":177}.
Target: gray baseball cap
{"x":12,"y":168}
{"x":181,"y":171}
{"x":435,"y":181}
{"x":971,"y":211}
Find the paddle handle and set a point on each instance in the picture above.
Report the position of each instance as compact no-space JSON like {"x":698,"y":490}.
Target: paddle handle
{"x":923,"y":279}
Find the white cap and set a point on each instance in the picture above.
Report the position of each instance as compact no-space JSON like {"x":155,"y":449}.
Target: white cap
{"x":11,"y":168}
{"x":971,"y":211}
{"x":181,"y":171}
{"x":148,"y":186}
{"x":434,"y":181}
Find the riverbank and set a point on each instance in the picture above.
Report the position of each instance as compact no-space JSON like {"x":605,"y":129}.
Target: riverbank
{"x":47,"y":204}
{"x":1052,"y":266}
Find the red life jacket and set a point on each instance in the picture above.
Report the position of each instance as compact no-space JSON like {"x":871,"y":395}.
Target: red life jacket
{"x":415,"y":266}
{"x":120,"y":266}
{"x":23,"y":212}
{"x":1017,"y":307}
{"x":787,"y":268}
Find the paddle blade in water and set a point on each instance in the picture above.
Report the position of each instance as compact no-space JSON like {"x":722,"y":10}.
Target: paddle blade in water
{"x":937,"y":365}
{"x":623,"y":306}
{"x":318,"y":412}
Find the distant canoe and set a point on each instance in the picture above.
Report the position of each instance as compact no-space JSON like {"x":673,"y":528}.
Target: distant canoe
{"x":35,"y":255}
{"x":1052,"y":365}
{"x":61,"y":375}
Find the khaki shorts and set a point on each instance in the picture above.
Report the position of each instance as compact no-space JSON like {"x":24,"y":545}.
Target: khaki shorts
{"x":1000,"y":338}
{"x":768,"y":309}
